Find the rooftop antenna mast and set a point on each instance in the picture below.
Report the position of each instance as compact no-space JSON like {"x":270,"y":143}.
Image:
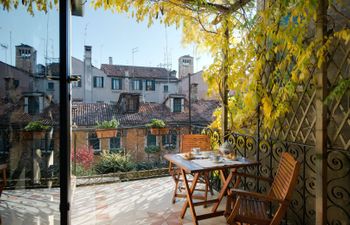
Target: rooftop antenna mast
{"x":85,"y":31}
{"x":47,"y":40}
{"x":133,"y":51}
{"x":196,"y":57}
{"x":167,"y":62}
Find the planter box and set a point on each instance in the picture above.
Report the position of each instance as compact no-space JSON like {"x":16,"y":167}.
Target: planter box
{"x":27,"y":135}
{"x":159,"y":131}
{"x":39,"y":134}
{"x":106,"y":133}
{"x":30,"y":135}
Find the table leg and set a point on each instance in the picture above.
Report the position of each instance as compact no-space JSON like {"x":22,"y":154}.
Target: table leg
{"x":189,"y":192}
{"x":223,"y":190}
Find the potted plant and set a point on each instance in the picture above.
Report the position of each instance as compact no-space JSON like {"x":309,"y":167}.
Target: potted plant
{"x":36,"y":130}
{"x":158,"y":127}
{"x":107,"y":128}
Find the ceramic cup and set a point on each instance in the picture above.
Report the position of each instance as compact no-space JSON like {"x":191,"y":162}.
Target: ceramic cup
{"x":196,"y":150}
{"x":216,"y":158}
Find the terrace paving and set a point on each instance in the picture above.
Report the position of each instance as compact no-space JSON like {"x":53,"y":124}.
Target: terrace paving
{"x":146,"y":202}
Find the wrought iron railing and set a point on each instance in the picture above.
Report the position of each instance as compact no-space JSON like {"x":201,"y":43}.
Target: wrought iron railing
{"x":267,"y":153}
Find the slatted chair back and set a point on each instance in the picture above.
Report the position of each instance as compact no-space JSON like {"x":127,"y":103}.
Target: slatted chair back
{"x":189,"y":141}
{"x":284,"y":183}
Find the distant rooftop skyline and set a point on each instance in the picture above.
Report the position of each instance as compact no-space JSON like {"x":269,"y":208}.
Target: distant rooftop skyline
{"x":110,"y":35}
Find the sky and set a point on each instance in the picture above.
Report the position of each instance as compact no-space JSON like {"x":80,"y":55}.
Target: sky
{"x":110,"y":35}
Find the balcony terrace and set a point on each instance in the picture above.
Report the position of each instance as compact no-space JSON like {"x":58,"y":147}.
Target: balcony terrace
{"x":129,"y":203}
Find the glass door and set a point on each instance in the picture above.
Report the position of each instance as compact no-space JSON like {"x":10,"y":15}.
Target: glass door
{"x":31,"y":130}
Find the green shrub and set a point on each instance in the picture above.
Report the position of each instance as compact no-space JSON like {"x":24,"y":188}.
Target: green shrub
{"x":81,"y":171}
{"x":155,"y":123}
{"x":107,"y":124}
{"x":152,"y":149}
{"x":150,"y":165}
{"x":116,"y":150}
{"x":112,"y":162}
{"x":36,"y":126}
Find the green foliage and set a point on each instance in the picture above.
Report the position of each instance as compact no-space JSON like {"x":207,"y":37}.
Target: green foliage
{"x":116,"y":150}
{"x":107,"y":124}
{"x":82,"y":171}
{"x":36,"y":126}
{"x":150,"y":165}
{"x":156,"y":123}
{"x":111,"y":163}
{"x":338,"y":91}
{"x":152,"y":149}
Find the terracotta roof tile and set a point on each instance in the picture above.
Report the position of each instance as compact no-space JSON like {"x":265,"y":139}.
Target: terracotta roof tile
{"x":137,"y":71}
{"x":86,"y":114}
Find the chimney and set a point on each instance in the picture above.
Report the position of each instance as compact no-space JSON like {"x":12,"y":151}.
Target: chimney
{"x":127,"y":81}
{"x":87,"y":56}
{"x":87,"y":76}
{"x":110,"y":59}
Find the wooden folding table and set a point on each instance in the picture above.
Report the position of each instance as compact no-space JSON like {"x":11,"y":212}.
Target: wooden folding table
{"x":198,"y":166}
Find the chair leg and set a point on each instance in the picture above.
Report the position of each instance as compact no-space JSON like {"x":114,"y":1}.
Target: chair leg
{"x":231,"y":218}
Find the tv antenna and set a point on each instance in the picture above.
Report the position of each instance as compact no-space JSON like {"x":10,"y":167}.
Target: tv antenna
{"x":133,"y":51}
{"x":85,"y":31}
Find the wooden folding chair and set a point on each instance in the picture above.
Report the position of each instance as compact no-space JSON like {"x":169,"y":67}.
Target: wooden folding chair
{"x":3,"y":182}
{"x":189,"y":141}
{"x":252,"y":207}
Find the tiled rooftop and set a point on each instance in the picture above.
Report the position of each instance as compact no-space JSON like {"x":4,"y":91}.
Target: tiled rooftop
{"x":137,"y":71}
{"x":86,"y":114}
{"x":142,"y":202}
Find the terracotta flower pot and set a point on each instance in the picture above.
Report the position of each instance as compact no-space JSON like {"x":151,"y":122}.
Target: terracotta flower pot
{"x":106,"y":133}
{"x":159,"y":131}
{"x":27,"y":135}
{"x":30,"y":135}
{"x":39,"y":134}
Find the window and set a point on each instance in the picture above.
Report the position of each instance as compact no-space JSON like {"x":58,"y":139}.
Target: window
{"x":50,"y":86}
{"x":132,"y":104}
{"x":114,"y":143}
{"x":116,"y":84}
{"x":151,"y":140}
{"x":98,"y":82}
{"x":77,"y":84}
{"x":15,"y":83}
{"x":177,"y":104}
{"x":166,"y":88}
{"x":33,"y":104}
{"x":186,"y":61}
{"x":169,"y":141}
{"x":150,"y":85}
{"x":137,"y":85}
{"x":94,"y":142}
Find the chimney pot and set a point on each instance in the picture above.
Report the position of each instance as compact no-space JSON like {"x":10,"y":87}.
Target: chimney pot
{"x":110,"y":59}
